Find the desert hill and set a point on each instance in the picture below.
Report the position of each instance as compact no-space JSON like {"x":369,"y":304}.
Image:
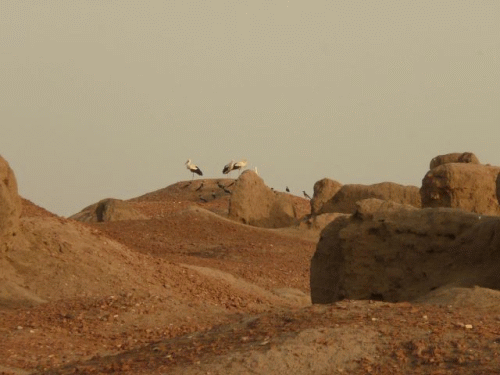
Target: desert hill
{"x":214,"y":276}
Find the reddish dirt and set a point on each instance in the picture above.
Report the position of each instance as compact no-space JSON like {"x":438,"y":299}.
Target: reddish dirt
{"x":29,"y":209}
{"x":245,"y":311}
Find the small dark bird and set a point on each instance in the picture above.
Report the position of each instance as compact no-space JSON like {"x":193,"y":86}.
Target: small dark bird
{"x":201,"y":185}
{"x":193,"y":168}
{"x":203,"y":199}
{"x":287,"y":189}
{"x":305,"y":195}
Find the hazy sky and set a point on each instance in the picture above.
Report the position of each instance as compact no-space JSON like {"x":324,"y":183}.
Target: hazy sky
{"x":109,"y":98}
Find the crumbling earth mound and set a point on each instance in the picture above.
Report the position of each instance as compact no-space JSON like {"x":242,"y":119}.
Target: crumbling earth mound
{"x":392,"y":252}
{"x":324,"y":190}
{"x":469,"y":187}
{"x":108,"y":210}
{"x":456,"y":157}
{"x":253,"y":203}
{"x":10,"y":204}
{"x":345,"y":199}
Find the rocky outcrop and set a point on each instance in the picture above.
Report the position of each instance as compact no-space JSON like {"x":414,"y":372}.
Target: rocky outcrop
{"x":392,"y":252}
{"x":457,"y":157}
{"x":253,"y":203}
{"x":108,"y":210}
{"x":10,"y":204}
{"x":345,"y":199}
{"x":469,"y":187}
{"x":324,"y":190}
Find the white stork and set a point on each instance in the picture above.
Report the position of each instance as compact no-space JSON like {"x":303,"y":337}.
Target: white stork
{"x":193,"y":168}
{"x":240,"y":165}
{"x":228,"y":167}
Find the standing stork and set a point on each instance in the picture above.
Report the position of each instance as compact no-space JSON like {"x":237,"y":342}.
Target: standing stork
{"x":193,"y":168}
{"x":228,"y":167}
{"x":240,"y":165}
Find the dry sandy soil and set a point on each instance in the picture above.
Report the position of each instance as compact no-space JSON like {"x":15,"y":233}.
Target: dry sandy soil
{"x":227,"y":298}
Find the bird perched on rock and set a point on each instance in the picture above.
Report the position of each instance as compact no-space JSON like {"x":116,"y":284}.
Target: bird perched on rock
{"x":228,"y":167}
{"x":193,"y":168}
{"x":306,"y":195}
{"x":287,"y":189}
{"x":240,"y":165}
